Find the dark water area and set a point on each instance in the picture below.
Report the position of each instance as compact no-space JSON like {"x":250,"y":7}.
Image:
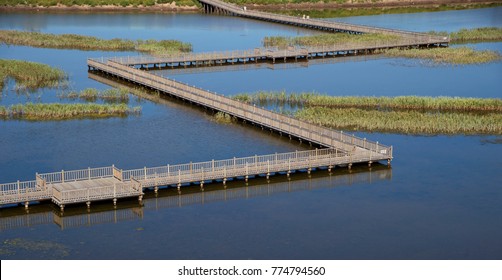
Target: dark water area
{"x":441,"y":199}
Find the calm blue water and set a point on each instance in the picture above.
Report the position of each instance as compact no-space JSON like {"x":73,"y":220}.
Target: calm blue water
{"x":441,"y":199}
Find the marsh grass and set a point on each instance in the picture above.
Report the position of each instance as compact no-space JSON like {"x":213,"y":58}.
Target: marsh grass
{"x":92,"y":95}
{"x":411,"y":122}
{"x":223,"y":118}
{"x":80,"y":42}
{"x":401,"y":114}
{"x":329,"y":39}
{"x":455,"y":56}
{"x":483,"y":34}
{"x":59,"y":111}
{"x":30,"y":75}
{"x":409,"y":102}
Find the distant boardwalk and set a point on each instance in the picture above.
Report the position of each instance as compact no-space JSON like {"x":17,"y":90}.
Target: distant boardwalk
{"x":216,"y":6}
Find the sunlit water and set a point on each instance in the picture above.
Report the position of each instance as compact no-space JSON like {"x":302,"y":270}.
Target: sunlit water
{"x":441,"y":199}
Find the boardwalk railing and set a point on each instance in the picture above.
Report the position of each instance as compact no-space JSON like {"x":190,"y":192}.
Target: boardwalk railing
{"x":247,"y":166}
{"x":79,"y":175}
{"x":63,"y":196}
{"x":23,"y":191}
{"x":284,"y":124}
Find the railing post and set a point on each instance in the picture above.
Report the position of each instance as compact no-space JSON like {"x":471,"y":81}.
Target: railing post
{"x":89,"y":173}
{"x":62,"y":176}
{"x":168,"y":170}
{"x":145,"y":171}
{"x":212,"y":165}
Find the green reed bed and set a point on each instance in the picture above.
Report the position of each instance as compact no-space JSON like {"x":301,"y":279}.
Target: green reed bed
{"x":80,"y":42}
{"x":410,"y":102}
{"x":459,"y":56}
{"x":411,"y":122}
{"x":30,"y":75}
{"x":401,"y":114}
{"x":329,"y":39}
{"x":92,"y":94}
{"x":483,"y":34}
{"x":59,"y":111}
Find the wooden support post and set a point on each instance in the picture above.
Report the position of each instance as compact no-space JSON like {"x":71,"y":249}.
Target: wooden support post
{"x":114,"y":202}
{"x":247,"y":172}
{"x":26,"y":204}
{"x":268,"y":169}
{"x":88,"y":203}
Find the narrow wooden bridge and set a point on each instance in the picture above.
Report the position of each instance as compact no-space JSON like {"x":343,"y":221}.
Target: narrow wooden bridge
{"x":270,"y":55}
{"x":15,"y":219}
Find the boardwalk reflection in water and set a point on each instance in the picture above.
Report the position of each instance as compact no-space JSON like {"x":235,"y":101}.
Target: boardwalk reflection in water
{"x":74,"y":217}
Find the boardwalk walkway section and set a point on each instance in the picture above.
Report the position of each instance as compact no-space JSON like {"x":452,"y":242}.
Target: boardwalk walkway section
{"x":217,"y":6}
{"x":74,"y":217}
{"x":86,"y":185}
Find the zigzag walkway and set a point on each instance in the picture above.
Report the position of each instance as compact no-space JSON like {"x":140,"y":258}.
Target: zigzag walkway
{"x":111,"y":183}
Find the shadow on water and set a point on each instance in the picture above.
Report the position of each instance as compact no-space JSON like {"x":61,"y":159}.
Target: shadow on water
{"x":129,"y":209}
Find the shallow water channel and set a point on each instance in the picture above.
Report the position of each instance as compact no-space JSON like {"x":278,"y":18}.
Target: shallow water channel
{"x":441,"y":199}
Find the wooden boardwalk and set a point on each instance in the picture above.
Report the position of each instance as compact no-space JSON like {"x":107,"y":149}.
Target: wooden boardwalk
{"x":338,"y":148}
{"x":72,"y":218}
{"x":269,"y":55}
{"x":91,"y":184}
{"x":78,"y":186}
{"x":217,"y":6}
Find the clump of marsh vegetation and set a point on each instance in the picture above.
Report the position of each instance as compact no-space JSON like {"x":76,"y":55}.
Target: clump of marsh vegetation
{"x":408,"y":102}
{"x":60,"y":111}
{"x":482,"y":34}
{"x":462,"y":55}
{"x":81,"y":42}
{"x":402,"y":114}
{"x":30,"y":75}
{"x":92,"y":95}
{"x":330,"y":40}
{"x":224,"y":118}
{"x":408,"y":122}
